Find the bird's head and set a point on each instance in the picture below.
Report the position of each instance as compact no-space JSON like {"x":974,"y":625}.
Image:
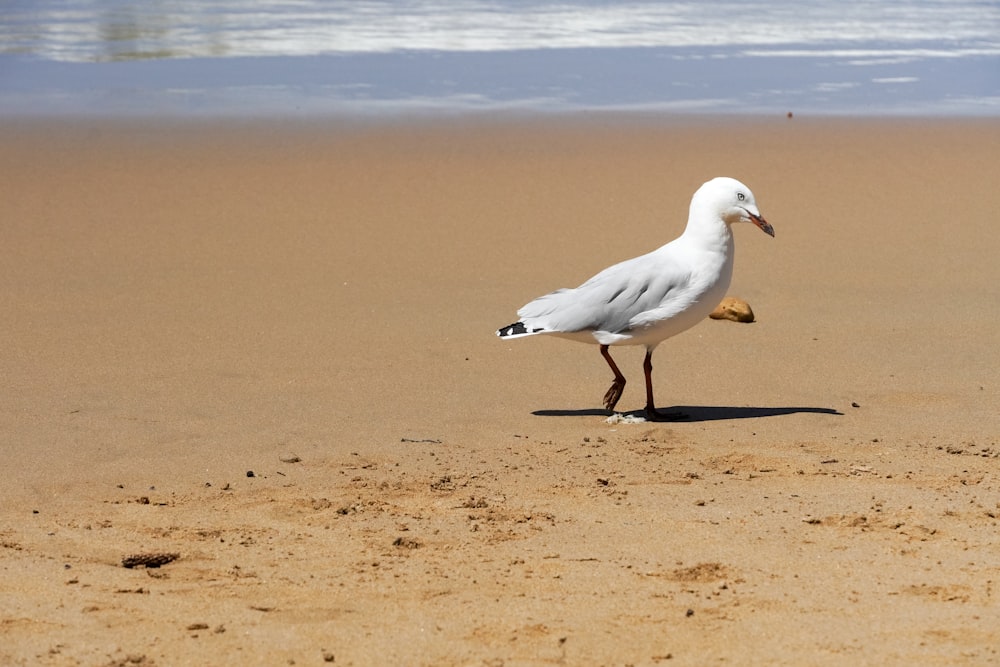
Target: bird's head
{"x":731,"y":201}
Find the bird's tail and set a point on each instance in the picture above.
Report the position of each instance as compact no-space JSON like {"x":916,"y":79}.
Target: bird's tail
{"x":518,"y":329}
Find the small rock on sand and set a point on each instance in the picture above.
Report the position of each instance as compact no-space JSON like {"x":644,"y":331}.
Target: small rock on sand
{"x":733,"y":309}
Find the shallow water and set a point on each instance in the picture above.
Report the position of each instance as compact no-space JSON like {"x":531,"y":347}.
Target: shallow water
{"x":314,"y":57}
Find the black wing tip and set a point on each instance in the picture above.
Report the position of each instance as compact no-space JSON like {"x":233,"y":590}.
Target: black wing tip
{"x":516,"y":329}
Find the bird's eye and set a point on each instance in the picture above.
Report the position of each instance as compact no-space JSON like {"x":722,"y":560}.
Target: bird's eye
{"x":740,"y":196}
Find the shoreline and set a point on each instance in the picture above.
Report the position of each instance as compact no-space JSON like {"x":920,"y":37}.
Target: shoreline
{"x":488,"y":117}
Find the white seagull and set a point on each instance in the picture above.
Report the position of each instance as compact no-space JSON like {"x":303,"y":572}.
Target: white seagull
{"x":647,"y":299}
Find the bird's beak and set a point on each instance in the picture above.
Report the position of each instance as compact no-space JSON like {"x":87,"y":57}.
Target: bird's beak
{"x":762,"y":223}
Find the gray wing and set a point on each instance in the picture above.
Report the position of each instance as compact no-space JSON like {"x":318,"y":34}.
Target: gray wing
{"x":612,"y":299}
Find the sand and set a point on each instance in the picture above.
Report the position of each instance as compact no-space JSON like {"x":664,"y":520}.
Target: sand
{"x":267,"y":347}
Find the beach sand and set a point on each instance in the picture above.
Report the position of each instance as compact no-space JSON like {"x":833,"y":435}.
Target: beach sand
{"x":268,"y":347}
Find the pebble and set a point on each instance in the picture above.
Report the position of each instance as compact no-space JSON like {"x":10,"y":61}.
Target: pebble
{"x":733,"y":309}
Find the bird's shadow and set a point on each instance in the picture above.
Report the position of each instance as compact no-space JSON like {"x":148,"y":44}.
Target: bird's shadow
{"x":699,"y":413}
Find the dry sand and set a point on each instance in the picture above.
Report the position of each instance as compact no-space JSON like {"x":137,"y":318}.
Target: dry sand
{"x":315,"y":303}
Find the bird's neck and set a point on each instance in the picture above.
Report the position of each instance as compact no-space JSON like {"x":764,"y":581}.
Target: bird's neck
{"x":716,"y":237}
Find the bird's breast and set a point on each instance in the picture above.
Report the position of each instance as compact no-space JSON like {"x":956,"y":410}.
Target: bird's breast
{"x":686,"y":306}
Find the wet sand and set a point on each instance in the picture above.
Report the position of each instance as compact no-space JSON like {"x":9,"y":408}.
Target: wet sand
{"x":267,"y":347}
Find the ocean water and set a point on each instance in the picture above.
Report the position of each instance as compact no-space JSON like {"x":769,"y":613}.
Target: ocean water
{"x":309,"y":57}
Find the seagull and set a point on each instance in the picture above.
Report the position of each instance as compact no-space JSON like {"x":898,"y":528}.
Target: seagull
{"x":647,"y":299}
